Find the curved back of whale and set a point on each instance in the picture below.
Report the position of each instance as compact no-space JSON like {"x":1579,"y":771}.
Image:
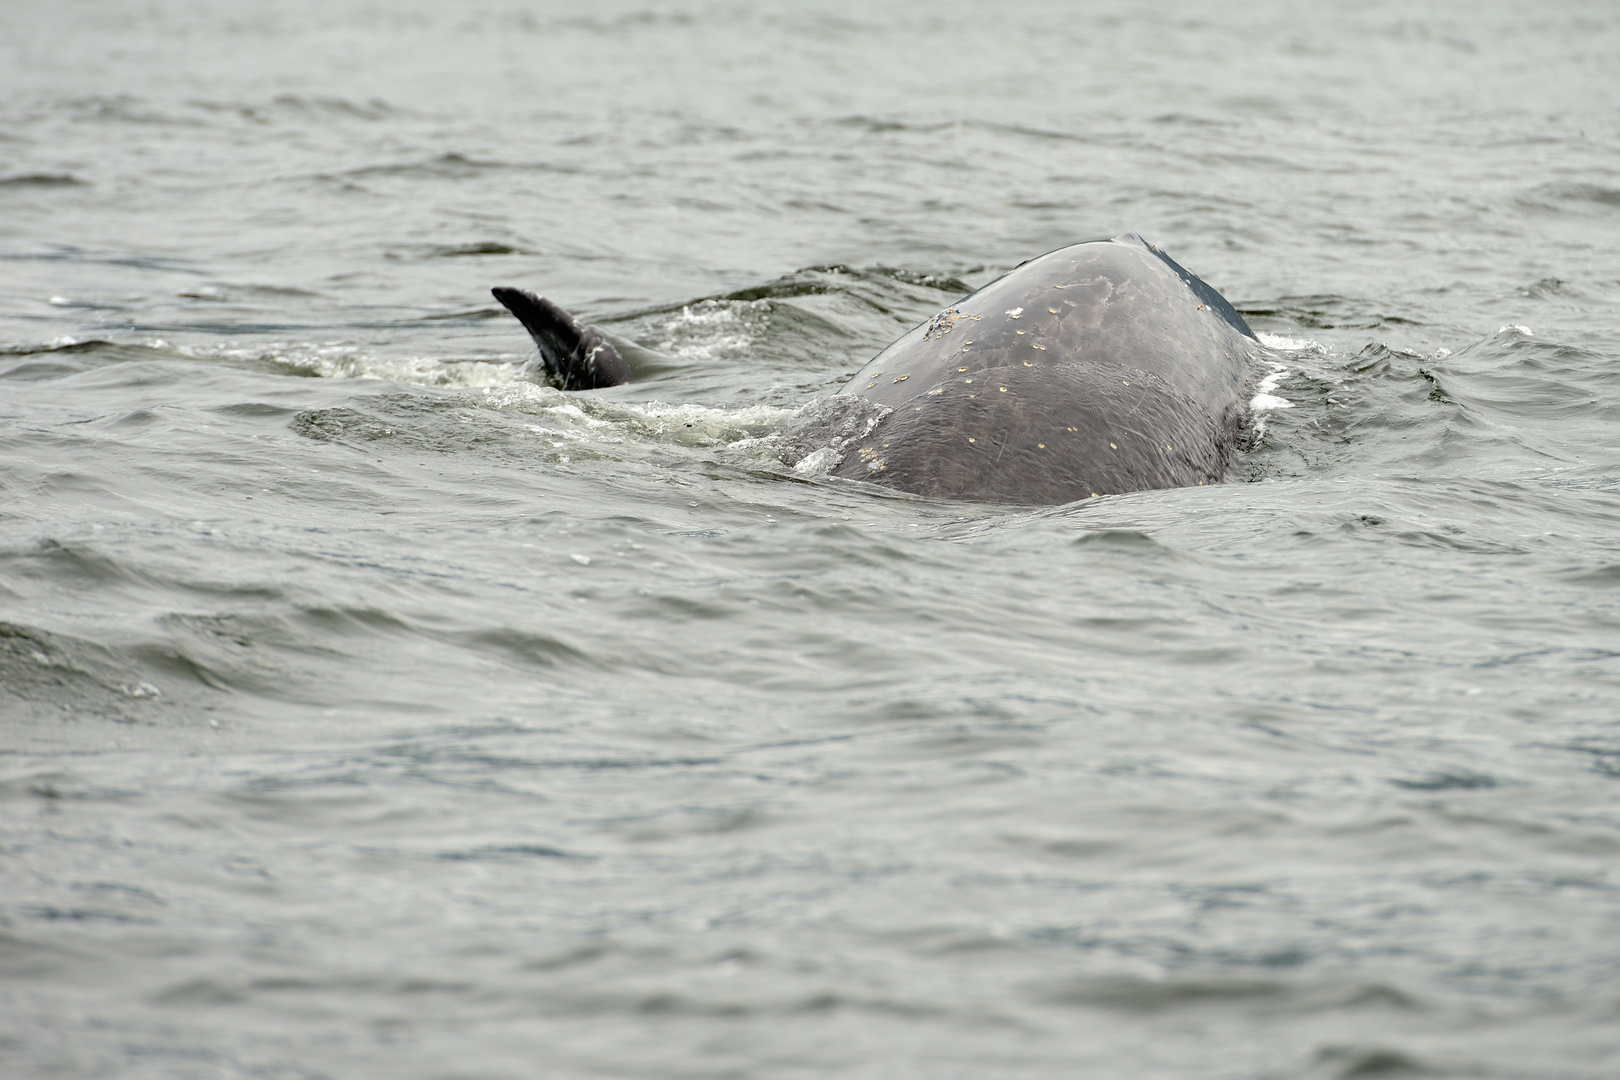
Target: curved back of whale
{"x":1095,"y":369}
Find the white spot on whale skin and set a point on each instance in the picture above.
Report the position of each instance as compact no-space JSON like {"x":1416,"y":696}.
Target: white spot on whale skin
{"x":1015,"y":312}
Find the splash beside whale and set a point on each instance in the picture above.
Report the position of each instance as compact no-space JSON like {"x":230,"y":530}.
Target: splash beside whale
{"x":1099,"y":368}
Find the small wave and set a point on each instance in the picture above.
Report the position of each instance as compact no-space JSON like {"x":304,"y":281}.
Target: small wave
{"x":61,"y":676}
{"x":374,"y":109}
{"x":118,"y":108}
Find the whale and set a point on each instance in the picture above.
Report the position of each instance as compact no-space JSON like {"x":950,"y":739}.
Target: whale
{"x":1099,"y":368}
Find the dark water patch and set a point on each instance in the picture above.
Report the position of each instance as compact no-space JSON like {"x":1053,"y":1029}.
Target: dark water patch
{"x":1324,"y":311}
{"x":1045,"y":134}
{"x":68,"y":347}
{"x":1567,"y":197}
{"x":57,"y":786}
{"x":52,"y":913}
{"x":254,"y":410}
{"x":1604,"y":756}
{"x":492,"y":764}
{"x":69,"y":253}
{"x":114,"y":109}
{"x":205,"y":992}
{"x":306,"y":105}
{"x":1459,"y":780}
{"x":119,"y":891}
{"x":876,"y":125}
{"x":507,"y":853}
{"x":471,"y":249}
{"x":473,"y":315}
{"x":41,"y":180}
{"x":289,"y":292}
{"x":452,"y":166}
{"x":1180,"y":119}
{"x":628,"y":22}
{"x":1133,"y":994}
{"x":1356,"y":1063}
{"x":1606,"y":577}
{"x":1549,"y":288}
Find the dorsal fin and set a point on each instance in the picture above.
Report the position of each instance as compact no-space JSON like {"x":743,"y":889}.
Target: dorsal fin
{"x":575,"y":356}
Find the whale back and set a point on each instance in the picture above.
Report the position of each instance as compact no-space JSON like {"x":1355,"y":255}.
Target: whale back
{"x":1095,"y":369}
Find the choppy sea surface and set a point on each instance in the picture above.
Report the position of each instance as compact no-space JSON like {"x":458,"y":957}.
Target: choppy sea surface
{"x":367,"y":710}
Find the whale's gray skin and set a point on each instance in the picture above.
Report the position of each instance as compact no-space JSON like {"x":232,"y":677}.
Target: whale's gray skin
{"x":1096,"y":369}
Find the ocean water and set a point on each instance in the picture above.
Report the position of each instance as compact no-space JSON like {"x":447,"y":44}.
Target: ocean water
{"x":367,"y":710}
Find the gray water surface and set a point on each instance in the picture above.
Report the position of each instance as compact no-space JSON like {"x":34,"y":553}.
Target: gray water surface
{"x":370,"y":711}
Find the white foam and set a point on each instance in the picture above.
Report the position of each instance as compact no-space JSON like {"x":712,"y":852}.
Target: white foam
{"x":1525,"y":330}
{"x":1290,"y":344}
{"x":335,"y":360}
{"x":712,"y":329}
{"x":818,"y":462}
{"x":1266,"y":399}
{"x":603,"y":420}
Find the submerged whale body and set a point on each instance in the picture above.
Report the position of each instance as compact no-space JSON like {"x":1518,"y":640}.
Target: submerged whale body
{"x":1095,"y":369}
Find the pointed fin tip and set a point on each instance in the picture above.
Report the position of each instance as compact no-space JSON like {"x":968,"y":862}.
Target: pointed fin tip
{"x":573,"y":355}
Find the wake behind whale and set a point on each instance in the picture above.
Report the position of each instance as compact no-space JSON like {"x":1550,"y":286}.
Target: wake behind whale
{"x":1098,"y":368}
